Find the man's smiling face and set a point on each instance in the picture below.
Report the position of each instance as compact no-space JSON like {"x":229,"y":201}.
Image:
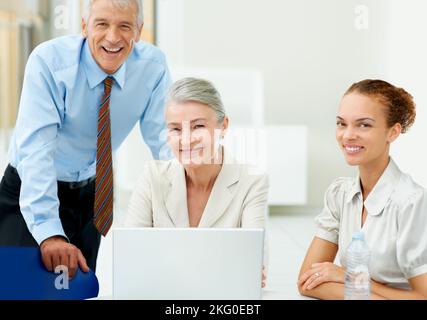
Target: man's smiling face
{"x":111,"y":31}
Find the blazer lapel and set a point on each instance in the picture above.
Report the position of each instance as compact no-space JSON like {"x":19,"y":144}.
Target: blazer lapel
{"x":221,"y":195}
{"x":176,"y":195}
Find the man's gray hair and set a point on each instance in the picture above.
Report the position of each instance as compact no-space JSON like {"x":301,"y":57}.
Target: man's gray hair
{"x":121,"y":3}
{"x":197,"y":90}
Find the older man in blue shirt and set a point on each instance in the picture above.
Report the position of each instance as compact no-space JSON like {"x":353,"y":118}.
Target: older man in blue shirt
{"x":81,"y":97}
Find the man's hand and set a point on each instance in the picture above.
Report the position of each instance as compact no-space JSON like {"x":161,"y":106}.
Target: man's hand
{"x":57,"y":251}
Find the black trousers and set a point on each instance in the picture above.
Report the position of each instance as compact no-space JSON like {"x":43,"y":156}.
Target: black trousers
{"x":75,"y":212}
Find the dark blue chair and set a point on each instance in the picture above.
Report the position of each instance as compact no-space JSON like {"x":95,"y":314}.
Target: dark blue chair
{"x":24,"y":277}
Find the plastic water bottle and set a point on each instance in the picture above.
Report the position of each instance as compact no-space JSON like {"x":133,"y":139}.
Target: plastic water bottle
{"x":357,"y":284}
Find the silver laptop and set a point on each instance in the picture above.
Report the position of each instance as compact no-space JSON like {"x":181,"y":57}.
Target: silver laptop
{"x":187,"y":263}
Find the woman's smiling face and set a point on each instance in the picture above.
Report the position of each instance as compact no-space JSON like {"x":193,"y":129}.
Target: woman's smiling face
{"x":362,"y":132}
{"x":194,"y":132}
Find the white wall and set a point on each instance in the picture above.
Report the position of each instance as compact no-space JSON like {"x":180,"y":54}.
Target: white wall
{"x":309,"y":52}
{"x":407,"y":67}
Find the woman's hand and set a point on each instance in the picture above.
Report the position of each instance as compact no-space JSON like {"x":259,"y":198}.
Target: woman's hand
{"x":320,"y":273}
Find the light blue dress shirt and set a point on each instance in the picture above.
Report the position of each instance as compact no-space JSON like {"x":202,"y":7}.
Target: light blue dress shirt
{"x":56,"y":129}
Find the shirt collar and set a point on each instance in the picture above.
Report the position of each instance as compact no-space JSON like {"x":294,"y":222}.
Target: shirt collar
{"x":382,"y":190}
{"x":95,"y":75}
{"x":355,"y":189}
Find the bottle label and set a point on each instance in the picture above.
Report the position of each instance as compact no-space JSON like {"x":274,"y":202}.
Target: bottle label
{"x":361,"y":280}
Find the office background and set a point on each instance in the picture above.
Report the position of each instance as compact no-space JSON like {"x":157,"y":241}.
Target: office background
{"x":294,"y":59}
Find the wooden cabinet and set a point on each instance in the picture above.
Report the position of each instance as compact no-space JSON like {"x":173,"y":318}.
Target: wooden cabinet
{"x":9,"y":75}
{"x":149,"y":30}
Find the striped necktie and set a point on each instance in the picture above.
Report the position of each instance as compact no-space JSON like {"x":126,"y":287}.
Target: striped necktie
{"x":103,"y":208}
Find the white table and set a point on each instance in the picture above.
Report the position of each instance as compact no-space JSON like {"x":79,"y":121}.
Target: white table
{"x":283,"y":293}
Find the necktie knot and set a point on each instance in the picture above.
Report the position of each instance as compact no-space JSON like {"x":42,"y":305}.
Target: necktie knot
{"x":108,"y":83}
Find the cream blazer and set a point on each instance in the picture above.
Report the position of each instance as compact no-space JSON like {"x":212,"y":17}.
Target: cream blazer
{"x":238,"y":198}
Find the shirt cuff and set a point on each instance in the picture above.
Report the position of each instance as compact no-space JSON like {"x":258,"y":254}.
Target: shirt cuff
{"x":327,"y":235}
{"x":47,"y":229}
{"x":416,"y":272}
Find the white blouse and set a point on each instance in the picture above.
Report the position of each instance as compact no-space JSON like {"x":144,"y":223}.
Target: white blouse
{"x":395,"y":227}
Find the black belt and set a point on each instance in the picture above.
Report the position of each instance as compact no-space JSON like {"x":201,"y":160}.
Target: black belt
{"x":69,"y":185}
{"x":77,"y":185}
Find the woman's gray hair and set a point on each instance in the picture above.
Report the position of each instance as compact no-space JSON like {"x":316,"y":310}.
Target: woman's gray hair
{"x":197,"y":90}
{"x":121,"y":3}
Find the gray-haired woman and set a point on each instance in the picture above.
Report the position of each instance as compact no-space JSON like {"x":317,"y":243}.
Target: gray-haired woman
{"x":202,"y":186}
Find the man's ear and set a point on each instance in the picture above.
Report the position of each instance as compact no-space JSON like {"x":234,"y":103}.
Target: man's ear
{"x":394,"y":132}
{"x":139,"y":33}
{"x":84,"y":28}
